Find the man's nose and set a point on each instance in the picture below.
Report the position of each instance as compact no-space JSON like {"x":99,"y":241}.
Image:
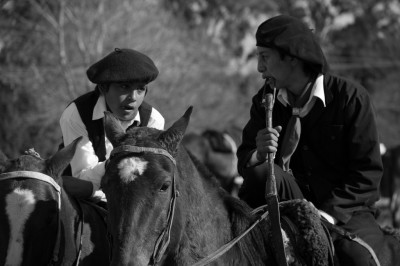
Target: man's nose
{"x":133,"y":94}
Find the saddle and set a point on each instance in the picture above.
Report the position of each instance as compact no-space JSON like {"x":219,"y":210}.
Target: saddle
{"x":310,"y":234}
{"x":310,"y":240}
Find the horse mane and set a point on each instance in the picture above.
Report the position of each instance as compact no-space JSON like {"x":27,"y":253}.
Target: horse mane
{"x":254,"y":246}
{"x":203,"y":169}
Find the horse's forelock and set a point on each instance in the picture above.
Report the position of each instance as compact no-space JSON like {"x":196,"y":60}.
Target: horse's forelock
{"x":142,"y":137}
{"x":131,"y":168}
{"x":26,"y":162}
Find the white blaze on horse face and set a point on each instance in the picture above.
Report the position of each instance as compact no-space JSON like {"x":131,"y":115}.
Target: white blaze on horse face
{"x":131,"y":168}
{"x":20,"y":205}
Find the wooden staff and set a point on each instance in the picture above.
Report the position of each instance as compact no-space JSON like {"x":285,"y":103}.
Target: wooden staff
{"x":271,"y":193}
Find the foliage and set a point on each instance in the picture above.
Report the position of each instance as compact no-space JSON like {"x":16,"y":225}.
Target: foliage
{"x":204,"y":50}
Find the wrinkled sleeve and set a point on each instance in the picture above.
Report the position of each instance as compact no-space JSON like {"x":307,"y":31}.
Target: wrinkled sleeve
{"x":255,"y":123}
{"x":364,"y":164}
{"x":85,"y":164}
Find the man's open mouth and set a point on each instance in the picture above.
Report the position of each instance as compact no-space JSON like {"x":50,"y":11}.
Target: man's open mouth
{"x":128,"y":108}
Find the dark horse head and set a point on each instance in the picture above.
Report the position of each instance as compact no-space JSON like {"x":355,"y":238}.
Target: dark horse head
{"x":39,"y":223}
{"x":164,"y":208}
{"x":29,"y":208}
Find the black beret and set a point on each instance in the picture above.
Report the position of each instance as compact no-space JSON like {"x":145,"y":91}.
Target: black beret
{"x":123,"y":65}
{"x":291,"y":36}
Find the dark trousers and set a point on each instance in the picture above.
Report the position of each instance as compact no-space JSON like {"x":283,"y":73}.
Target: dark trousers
{"x":363,"y":224}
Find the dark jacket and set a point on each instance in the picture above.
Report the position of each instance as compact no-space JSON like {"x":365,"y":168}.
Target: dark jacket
{"x":338,"y":156}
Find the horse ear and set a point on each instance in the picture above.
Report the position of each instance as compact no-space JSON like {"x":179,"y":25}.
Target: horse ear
{"x":173,"y":135}
{"x":59,"y":161}
{"x":113,"y":127}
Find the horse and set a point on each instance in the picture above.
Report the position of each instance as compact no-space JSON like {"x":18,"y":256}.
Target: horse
{"x":217,"y":151}
{"x":166,"y":208}
{"x":40,"y":224}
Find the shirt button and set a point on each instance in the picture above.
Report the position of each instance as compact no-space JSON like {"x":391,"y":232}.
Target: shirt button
{"x":305,"y":148}
{"x":309,"y":173}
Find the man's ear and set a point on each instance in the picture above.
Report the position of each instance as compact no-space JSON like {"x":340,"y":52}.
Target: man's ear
{"x":293,"y":60}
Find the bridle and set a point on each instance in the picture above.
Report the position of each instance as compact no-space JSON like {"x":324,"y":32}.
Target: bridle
{"x":49,"y":180}
{"x":165,"y":236}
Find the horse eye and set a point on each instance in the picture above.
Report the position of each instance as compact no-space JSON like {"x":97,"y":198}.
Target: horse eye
{"x":165,"y":186}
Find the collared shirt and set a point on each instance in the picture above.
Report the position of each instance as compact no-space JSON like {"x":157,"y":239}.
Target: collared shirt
{"x":317,"y":92}
{"x":85,"y":164}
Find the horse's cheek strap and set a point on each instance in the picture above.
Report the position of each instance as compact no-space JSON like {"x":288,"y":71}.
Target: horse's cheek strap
{"x":164,"y":239}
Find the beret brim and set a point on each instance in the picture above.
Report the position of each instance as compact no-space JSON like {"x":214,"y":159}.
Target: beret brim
{"x":123,"y":65}
{"x":291,"y":36}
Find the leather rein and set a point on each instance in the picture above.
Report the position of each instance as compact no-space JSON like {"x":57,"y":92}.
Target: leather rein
{"x":164,"y":238}
{"x":49,"y":180}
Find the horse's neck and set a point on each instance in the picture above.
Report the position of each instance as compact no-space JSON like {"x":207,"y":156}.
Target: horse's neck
{"x":202,"y":212}
{"x":70,"y":220}
{"x":208,"y":219}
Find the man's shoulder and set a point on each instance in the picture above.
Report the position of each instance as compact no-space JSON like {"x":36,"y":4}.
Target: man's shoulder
{"x":70,"y":112}
{"x":87,"y":97}
{"x":344,"y":85}
{"x":334,"y":79}
{"x":156,"y":114}
{"x":156,"y":120}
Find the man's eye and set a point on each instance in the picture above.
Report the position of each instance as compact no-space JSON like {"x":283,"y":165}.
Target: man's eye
{"x":141,"y":89}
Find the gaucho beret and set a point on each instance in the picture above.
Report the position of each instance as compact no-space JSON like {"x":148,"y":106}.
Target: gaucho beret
{"x":291,"y":36}
{"x":123,"y":65}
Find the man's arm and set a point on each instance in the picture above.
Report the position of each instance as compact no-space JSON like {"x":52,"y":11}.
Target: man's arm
{"x":85,"y":164}
{"x":79,"y":188}
{"x":364,"y":165}
{"x":246,"y":152}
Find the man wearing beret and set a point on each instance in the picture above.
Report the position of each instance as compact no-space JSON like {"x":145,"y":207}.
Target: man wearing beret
{"x":324,"y":137}
{"x":121,"y":80}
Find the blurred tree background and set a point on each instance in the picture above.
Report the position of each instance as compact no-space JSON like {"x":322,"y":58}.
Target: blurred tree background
{"x":204,"y":50}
